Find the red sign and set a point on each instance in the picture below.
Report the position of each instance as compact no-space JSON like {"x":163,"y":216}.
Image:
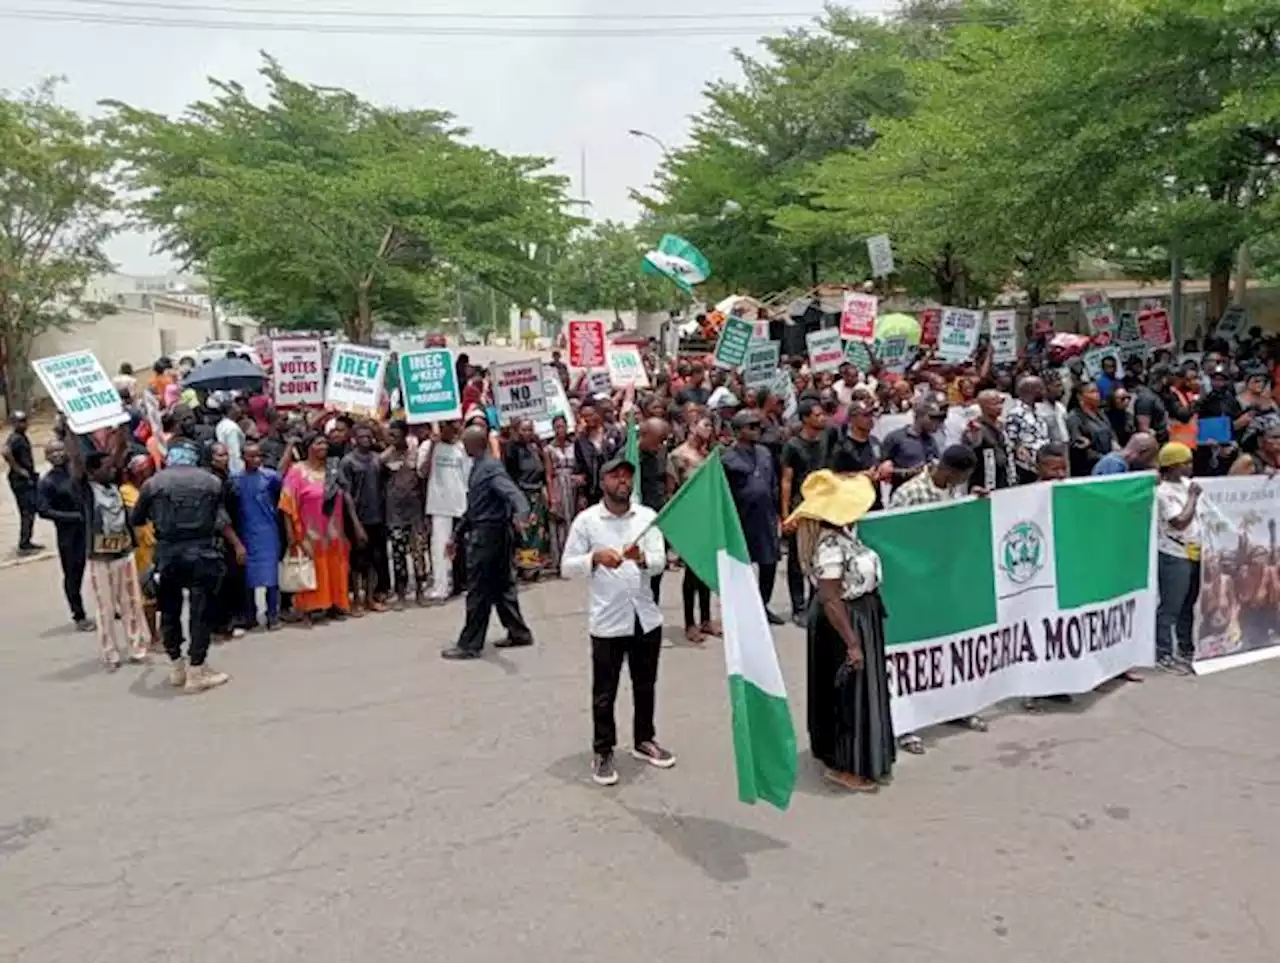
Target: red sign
{"x":1043,"y":318}
{"x":1155,"y":329}
{"x":586,"y":344}
{"x":858,"y":320}
{"x":930,"y":323}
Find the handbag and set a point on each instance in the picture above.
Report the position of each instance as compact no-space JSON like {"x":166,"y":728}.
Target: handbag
{"x":297,"y":573}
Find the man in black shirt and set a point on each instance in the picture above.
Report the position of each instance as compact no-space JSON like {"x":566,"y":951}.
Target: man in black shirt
{"x":651,"y":440}
{"x":360,"y":476}
{"x":803,"y":453}
{"x":1149,"y":410}
{"x":987,"y":439}
{"x":861,"y":449}
{"x":188,"y":508}
{"x":58,"y":499}
{"x":273,"y":446}
{"x":494,"y":505}
{"x":749,"y":469}
{"x":22,"y":481}
{"x":913,"y":448}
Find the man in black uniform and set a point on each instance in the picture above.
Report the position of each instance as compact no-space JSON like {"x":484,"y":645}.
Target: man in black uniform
{"x":59,"y":500}
{"x":494,"y":506}
{"x":187,"y":506}
{"x":748,"y":467}
{"x":22,"y":481}
{"x":651,"y":441}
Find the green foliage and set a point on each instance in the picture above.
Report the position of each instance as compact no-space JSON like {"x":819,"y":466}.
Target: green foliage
{"x":56,"y":204}
{"x":600,"y":268}
{"x":319,"y":206}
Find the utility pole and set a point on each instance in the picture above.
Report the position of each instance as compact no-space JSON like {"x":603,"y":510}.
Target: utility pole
{"x":1175,"y":300}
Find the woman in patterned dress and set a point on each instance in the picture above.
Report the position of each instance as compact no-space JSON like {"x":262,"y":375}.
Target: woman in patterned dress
{"x":563,"y":485}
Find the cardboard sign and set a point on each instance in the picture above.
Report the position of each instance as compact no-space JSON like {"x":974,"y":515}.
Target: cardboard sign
{"x":519,"y":390}
{"x":783,"y":387}
{"x":82,"y":391}
{"x":826,"y":353}
{"x":1004,"y":335}
{"x":1234,"y":320}
{"x":1093,"y":360}
{"x":858,"y":354}
{"x":626,"y":367}
{"x":1042,"y":320}
{"x":1127,"y":328}
{"x":429,"y":386}
{"x":735,"y":337}
{"x":355,"y":378}
{"x":880,"y":251}
{"x":598,"y":383}
{"x":297,"y":373}
{"x":1098,"y":314}
{"x":958,"y":335}
{"x":858,"y":319}
{"x":1154,"y":327}
{"x":761,"y":366}
{"x":930,"y":322}
{"x":892,"y":352}
{"x":1134,"y":349}
{"x":586,"y":344}
{"x":557,"y":406}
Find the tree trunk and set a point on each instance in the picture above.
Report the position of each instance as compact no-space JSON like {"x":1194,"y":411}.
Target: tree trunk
{"x":1220,"y":285}
{"x":360,"y":327}
{"x":17,"y":378}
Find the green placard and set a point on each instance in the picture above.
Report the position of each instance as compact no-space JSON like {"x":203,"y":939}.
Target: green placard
{"x":430,"y":386}
{"x":735,"y":338}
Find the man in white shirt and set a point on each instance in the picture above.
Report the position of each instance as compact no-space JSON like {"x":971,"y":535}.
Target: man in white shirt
{"x":446,"y":467}
{"x":613,"y":545}
{"x":231,"y":434}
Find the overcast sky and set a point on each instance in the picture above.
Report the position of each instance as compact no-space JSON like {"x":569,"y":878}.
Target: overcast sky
{"x":555,"y":96}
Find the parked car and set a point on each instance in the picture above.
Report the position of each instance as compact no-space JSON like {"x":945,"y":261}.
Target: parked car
{"x":213,"y":350}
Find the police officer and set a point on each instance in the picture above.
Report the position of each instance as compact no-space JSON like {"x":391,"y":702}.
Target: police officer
{"x":187,"y":506}
{"x":494,"y":506}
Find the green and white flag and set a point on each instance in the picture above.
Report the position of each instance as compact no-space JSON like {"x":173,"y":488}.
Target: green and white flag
{"x":701,"y":524}
{"x":1016,"y":594}
{"x":678,"y":260}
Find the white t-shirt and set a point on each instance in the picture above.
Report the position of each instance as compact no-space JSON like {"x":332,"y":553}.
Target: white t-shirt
{"x":447,"y":484}
{"x":1171,"y":499}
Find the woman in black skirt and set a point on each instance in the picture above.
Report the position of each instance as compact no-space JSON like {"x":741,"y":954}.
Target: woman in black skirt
{"x":850,"y":728}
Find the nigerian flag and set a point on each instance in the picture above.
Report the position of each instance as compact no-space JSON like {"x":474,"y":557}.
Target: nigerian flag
{"x":678,"y":260}
{"x":701,"y":524}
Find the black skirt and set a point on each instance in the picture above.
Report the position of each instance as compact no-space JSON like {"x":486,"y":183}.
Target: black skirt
{"x":850,"y":723}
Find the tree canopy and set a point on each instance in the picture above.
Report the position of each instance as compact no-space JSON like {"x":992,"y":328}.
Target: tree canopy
{"x":600,"y":268}
{"x":317,"y":207}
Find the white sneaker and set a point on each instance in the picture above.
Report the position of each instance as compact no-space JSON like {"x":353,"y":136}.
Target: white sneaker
{"x":178,"y":672}
{"x":201,"y":678}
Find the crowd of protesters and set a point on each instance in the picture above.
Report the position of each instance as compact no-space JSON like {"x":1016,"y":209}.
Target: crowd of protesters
{"x":221,"y":496}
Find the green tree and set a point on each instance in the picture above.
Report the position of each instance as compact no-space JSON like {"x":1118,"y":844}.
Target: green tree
{"x":56,"y":207}
{"x":600,"y":268}
{"x":320,"y":206}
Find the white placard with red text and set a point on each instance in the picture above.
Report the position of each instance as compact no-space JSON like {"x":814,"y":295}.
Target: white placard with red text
{"x":297,"y":373}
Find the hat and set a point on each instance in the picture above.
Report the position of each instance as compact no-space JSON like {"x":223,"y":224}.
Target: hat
{"x":613,"y":464}
{"x":744,"y":418}
{"x":836,"y":499}
{"x":1173,"y":454}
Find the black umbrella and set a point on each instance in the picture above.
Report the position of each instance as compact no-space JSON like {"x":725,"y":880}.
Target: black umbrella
{"x":226,"y":374}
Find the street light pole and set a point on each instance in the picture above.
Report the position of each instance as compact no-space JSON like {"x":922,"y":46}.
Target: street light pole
{"x":645,"y":135}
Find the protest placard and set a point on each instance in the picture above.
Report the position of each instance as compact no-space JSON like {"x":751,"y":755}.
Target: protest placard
{"x":858,"y":354}
{"x":297,"y":373}
{"x":557,"y":406}
{"x":586,"y":344}
{"x":958,"y":335}
{"x":1098,"y":314}
{"x":783,"y":387}
{"x":598,"y":382}
{"x":626,"y":367}
{"x":826,"y":353}
{"x":892,"y":352}
{"x":1003,"y":324}
{"x":858,"y":319}
{"x":429,"y":386}
{"x":1127,"y":328}
{"x":1154,"y":327}
{"x":930,"y":321}
{"x":880,"y":251}
{"x":355,"y":378}
{"x":1093,"y":359}
{"x":731,"y":346}
{"x":1134,"y":349}
{"x":1234,"y":320}
{"x":519,"y":390}
{"x":761,"y":365}
{"x":1042,"y":320}
{"x":81,"y":390}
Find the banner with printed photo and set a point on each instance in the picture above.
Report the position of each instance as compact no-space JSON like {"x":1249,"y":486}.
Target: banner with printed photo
{"x":958,"y":336}
{"x":1021,"y":603}
{"x":1234,"y":320}
{"x":858,"y":319}
{"x":1238,"y":611}
{"x":586,"y":344}
{"x":1093,"y":360}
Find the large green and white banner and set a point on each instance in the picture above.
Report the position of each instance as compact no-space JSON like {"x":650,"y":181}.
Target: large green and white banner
{"x":1035,"y":591}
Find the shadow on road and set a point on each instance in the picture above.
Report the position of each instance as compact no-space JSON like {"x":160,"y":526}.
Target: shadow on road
{"x":144,"y":688}
{"x":75,"y":673}
{"x":717,"y":848}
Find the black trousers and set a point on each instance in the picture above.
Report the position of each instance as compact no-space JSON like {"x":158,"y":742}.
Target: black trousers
{"x":694,"y":586}
{"x":227,"y":606}
{"x":768,"y":575}
{"x":71,"y":556}
{"x":640,"y":651}
{"x":491,"y":584}
{"x":199,"y":572}
{"x":25,"y":496}
{"x":655,"y":585}
{"x":797,"y":584}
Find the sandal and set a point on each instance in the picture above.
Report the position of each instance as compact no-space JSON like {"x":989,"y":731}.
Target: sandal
{"x":912,"y":744}
{"x":972,"y":723}
{"x":850,"y":782}
{"x":693,"y":635}
{"x":712,"y":628}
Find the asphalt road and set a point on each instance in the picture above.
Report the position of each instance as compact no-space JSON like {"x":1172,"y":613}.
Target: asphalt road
{"x":350,"y":796}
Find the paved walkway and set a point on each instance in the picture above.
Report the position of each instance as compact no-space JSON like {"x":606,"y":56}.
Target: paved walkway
{"x":349,"y":796}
